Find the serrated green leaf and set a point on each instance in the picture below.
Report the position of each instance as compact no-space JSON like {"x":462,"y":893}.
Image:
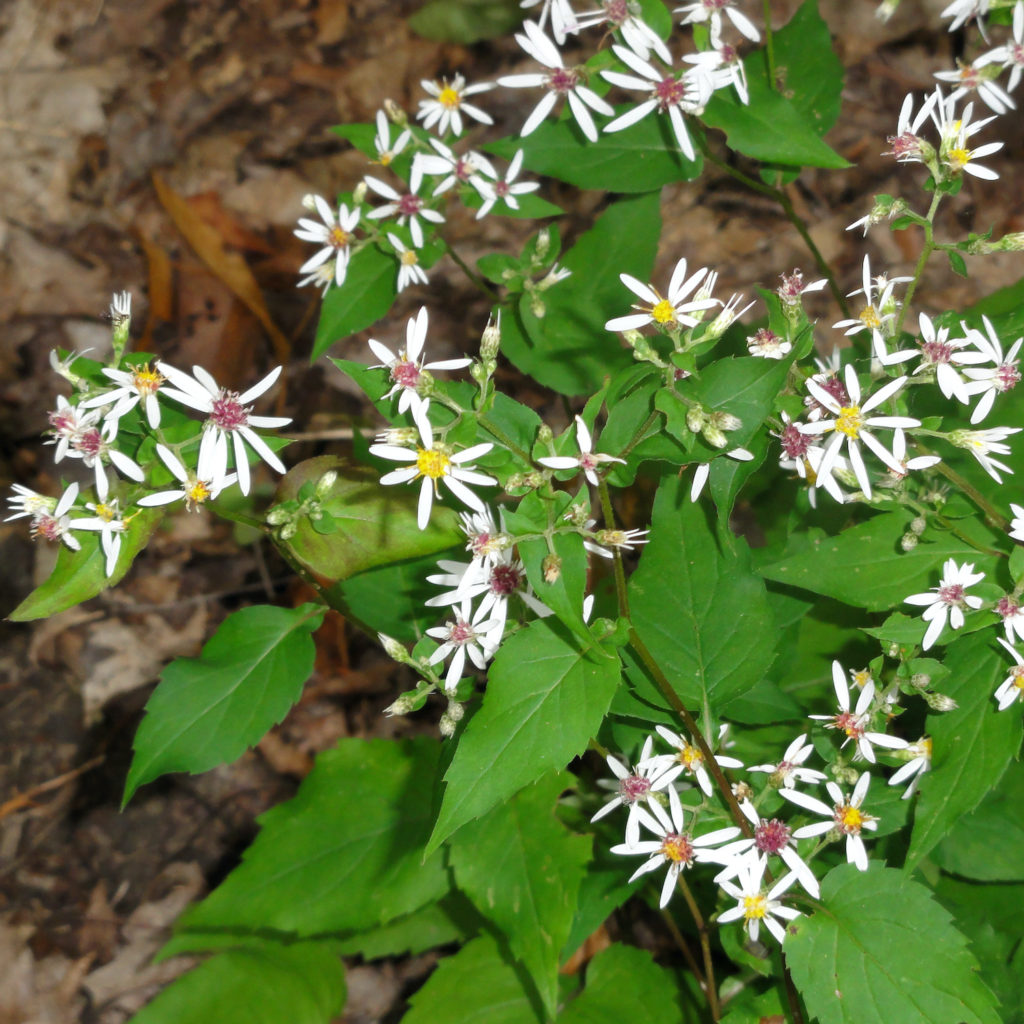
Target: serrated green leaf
{"x":702,"y":613}
{"x":568,"y":349}
{"x":367,"y":293}
{"x":866,"y":567}
{"x":376,"y":525}
{"x":80,"y":575}
{"x":545,"y":699}
{"x":640,"y":158}
{"x":266,"y":983}
{"x":879,"y":949}
{"x":522,"y":869}
{"x":624,"y":984}
{"x":209,"y":710}
{"x":475,"y":986}
{"x":972,"y":745}
{"x":345,"y":854}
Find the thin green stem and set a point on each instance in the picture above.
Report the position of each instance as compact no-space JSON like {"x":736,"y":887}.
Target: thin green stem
{"x":473,"y":276}
{"x":639,"y":435}
{"x":621,"y":594}
{"x":926,"y":251}
{"x":769,"y":45}
{"x":507,"y":441}
{"x":995,"y":517}
{"x":710,"y":988}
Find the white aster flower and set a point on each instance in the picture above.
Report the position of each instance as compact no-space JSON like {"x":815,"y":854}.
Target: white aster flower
{"x":971,"y":77}
{"x":854,"y":722}
{"x":407,"y":367}
{"x":606,"y":540}
{"x":689,"y":756}
{"x":764,"y":343}
{"x":667,"y":93}
{"x":879,"y":309}
{"x":624,"y":15}
{"x":485,"y":541}
{"x":559,"y":81}
{"x":409,"y":269}
{"x":1017,"y":523}
{"x":446,"y":108}
{"x":434,"y":462}
{"x":918,"y":760}
{"x":793,"y":289}
{"x":990,"y":381}
{"x":138,"y":385}
{"x":588,"y":460}
{"x":386,"y":149}
{"x":669,"y":313}
{"x":193,"y":491}
{"x":754,"y":904}
{"x":954,"y":133}
{"x":474,"y":638}
{"x":409,"y":206}
{"x":711,"y":11}
{"x":506,"y":189}
{"x":334,"y":232}
{"x":227,"y":417}
{"x":845,"y":817}
{"x":1011,"y":54}
{"x":721,"y":67}
{"x":674,"y":846}
{"x":26,"y":502}
{"x":634,"y":786}
{"x":849,"y":425}
{"x":54,"y":523}
{"x":452,"y":168}
{"x":109,"y":522}
{"x":563,"y":20}
{"x":982,"y":443}
{"x":943,"y":356}
{"x":1012,"y":686}
{"x":907,"y":145}
{"x":1010,"y":610}
{"x":790,"y":770}
{"x":963,"y":11}
{"x":899,"y":451}
{"x":95,"y":447}
{"x":947,"y":601}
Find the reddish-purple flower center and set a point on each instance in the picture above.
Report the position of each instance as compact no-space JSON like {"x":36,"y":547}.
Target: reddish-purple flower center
{"x":1007,"y":377}
{"x":669,"y":92}
{"x":563,"y":80}
{"x":47,"y":527}
{"x":771,"y":836}
{"x":461,"y":633}
{"x":1007,"y":607}
{"x":406,"y":373}
{"x":792,"y":286}
{"x":63,"y":422}
{"x":89,"y":442}
{"x":501,"y":188}
{"x":849,"y":723}
{"x":505,"y":580}
{"x":794,"y":444}
{"x":227,"y":413}
{"x":633,"y":788}
{"x":952,"y":593}
{"x":677,"y":848}
{"x":937,"y":352}
{"x":479,"y":543}
{"x":906,"y":144}
{"x":616,"y":11}
{"x":464,"y":168}
{"x":588,"y":460}
{"x":409,"y":205}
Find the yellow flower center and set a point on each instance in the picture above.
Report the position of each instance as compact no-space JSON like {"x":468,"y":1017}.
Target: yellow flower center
{"x":861,"y":677}
{"x":959,"y":158}
{"x":1018,"y":680}
{"x":106,"y":512}
{"x":869,"y":317}
{"x":408,"y":258}
{"x":449,"y":98}
{"x":432,"y":462}
{"x":664,"y":313}
{"x":385,"y":159}
{"x":197,"y":492}
{"x":677,"y":849}
{"x":690,"y":756}
{"x":849,"y":421}
{"x":755,"y":907}
{"x":146,"y":380}
{"x":338,"y":238}
{"x":850,"y":818}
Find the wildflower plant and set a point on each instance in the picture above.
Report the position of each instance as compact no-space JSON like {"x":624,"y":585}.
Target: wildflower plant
{"x":601,"y":606}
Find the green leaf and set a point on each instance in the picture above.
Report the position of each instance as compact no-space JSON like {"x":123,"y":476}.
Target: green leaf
{"x":957,"y":263}
{"x":972,"y":745}
{"x":568,"y":349}
{"x":545,"y":699}
{"x":266,"y":983}
{"x":345,"y":854}
{"x":367,"y":293}
{"x":603,"y":890}
{"x":475,"y":986}
{"x":376,"y":525}
{"x":624,"y":984}
{"x":522,"y":869}
{"x":80,"y":575}
{"x":465,"y":21}
{"x":880,"y":949}
{"x":640,"y":158}
{"x":209,"y":710}
{"x":987,"y":843}
{"x":866,"y":567}
{"x":701,"y":612}
{"x":437,"y":924}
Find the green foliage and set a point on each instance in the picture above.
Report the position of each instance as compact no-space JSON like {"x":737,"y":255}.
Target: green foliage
{"x":265,"y":983}
{"x":699,"y":609}
{"x":568,"y":348}
{"x":323,"y":864}
{"x":545,"y":698}
{"x":79,"y":575}
{"x":880,"y":949}
{"x":370,"y":289}
{"x":465,"y":21}
{"x":540,"y":865}
{"x":208,"y":710}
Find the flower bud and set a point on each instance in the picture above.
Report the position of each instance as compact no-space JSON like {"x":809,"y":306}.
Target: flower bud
{"x":396,"y":115}
{"x":714,"y":436}
{"x":402,"y":706}
{"x":576,"y":514}
{"x":543,"y":245}
{"x":325,"y":484}
{"x":695,"y":419}
{"x":552,"y":568}
{"x":537,"y":306}
{"x":455,"y":711}
{"x":921,"y":680}
{"x":446,"y":726}
{"x":742,"y":791}
{"x":918,"y":525}
{"x":545,"y":434}
{"x":725,"y":421}
{"x":940,"y":702}
{"x":359,"y":193}
{"x":479,"y":373}
{"x":394,"y":650}
{"x":280,"y":514}
{"x":490,"y":340}
{"x":908,"y":541}
{"x":287,"y":531}
{"x":309,"y":202}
